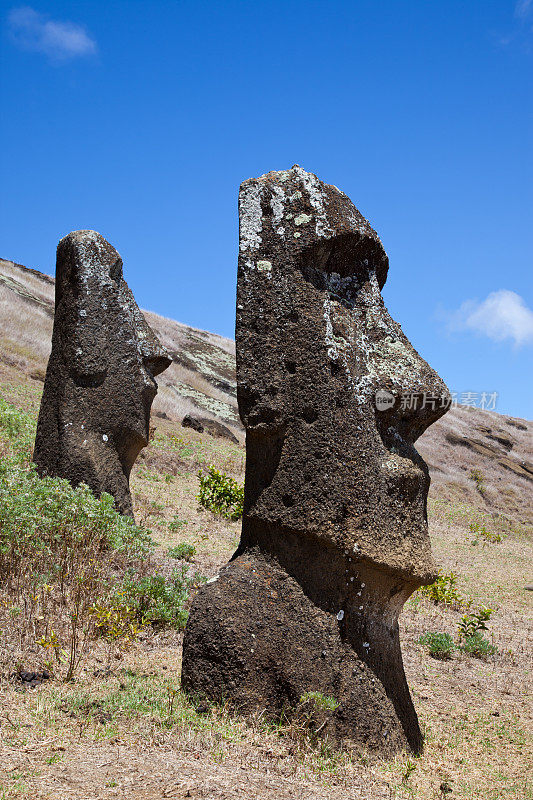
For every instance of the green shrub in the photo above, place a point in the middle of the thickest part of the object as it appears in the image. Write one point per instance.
(54, 527)
(477, 476)
(440, 645)
(60, 548)
(183, 550)
(476, 645)
(480, 530)
(176, 524)
(18, 429)
(220, 493)
(442, 590)
(114, 620)
(474, 622)
(158, 600)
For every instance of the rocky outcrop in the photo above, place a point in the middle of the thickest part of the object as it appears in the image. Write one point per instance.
(100, 381)
(210, 426)
(334, 536)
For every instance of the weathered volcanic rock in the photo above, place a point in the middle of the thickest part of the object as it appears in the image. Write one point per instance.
(212, 426)
(334, 536)
(189, 421)
(99, 386)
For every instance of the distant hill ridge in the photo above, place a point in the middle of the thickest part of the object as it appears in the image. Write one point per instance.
(201, 382)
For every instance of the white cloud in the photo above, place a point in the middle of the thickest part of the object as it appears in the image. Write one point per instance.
(522, 8)
(502, 315)
(58, 40)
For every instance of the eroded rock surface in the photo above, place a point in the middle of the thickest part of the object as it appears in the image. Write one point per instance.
(99, 387)
(334, 536)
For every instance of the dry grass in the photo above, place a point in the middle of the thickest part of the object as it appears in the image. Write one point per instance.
(127, 734)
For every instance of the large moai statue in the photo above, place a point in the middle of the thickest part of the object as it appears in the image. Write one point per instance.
(99, 386)
(334, 534)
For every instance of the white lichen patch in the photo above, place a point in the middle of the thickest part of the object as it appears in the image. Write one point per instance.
(264, 266)
(302, 219)
(250, 216)
(346, 288)
(297, 235)
(317, 198)
(356, 355)
(277, 203)
(216, 407)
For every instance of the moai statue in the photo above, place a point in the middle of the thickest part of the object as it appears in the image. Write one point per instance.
(99, 387)
(334, 534)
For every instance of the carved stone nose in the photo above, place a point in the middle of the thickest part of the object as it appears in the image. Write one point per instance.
(154, 356)
(156, 363)
(414, 410)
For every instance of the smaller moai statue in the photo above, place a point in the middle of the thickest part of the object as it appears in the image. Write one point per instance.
(100, 381)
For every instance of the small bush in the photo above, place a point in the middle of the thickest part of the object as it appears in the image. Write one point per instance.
(221, 494)
(476, 645)
(440, 645)
(115, 620)
(183, 550)
(176, 524)
(442, 590)
(474, 622)
(158, 600)
(477, 476)
(481, 531)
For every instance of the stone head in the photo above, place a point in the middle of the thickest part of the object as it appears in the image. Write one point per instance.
(101, 374)
(329, 379)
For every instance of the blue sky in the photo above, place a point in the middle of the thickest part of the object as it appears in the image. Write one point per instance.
(140, 119)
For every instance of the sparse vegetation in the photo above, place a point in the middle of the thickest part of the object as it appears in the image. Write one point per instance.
(443, 590)
(440, 645)
(477, 645)
(176, 524)
(183, 551)
(220, 493)
(59, 548)
(477, 476)
(323, 702)
(481, 532)
(474, 622)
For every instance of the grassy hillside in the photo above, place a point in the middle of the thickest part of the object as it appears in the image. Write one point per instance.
(122, 728)
(200, 381)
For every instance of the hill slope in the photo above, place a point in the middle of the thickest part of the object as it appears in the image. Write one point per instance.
(201, 381)
(123, 728)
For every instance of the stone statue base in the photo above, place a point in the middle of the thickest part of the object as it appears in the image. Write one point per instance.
(255, 639)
